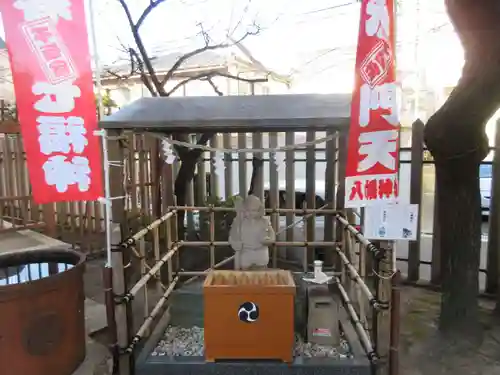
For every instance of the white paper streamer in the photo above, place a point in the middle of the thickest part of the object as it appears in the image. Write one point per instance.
(278, 160)
(218, 163)
(168, 152)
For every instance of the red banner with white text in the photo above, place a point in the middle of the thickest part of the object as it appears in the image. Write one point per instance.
(50, 60)
(373, 148)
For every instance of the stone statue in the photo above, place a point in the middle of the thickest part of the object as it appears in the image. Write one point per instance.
(249, 230)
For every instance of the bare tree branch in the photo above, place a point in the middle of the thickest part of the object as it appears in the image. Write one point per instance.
(214, 86)
(152, 4)
(206, 76)
(144, 77)
(142, 50)
(205, 48)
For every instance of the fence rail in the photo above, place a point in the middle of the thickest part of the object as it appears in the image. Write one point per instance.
(355, 293)
(309, 179)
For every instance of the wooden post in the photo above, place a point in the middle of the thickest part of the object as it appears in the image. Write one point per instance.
(493, 258)
(310, 222)
(395, 324)
(274, 197)
(116, 173)
(340, 198)
(436, 265)
(330, 181)
(50, 220)
(417, 157)
(290, 190)
(383, 320)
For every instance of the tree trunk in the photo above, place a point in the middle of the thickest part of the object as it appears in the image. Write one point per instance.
(456, 137)
(185, 175)
(458, 201)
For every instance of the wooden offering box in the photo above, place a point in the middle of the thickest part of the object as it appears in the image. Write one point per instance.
(249, 315)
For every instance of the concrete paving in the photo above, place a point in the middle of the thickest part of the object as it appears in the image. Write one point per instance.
(97, 361)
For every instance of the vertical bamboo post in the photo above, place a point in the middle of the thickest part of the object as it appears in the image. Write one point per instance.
(175, 237)
(305, 263)
(417, 157)
(157, 254)
(274, 196)
(395, 324)
(340, 197)
(228, 167)
(259, 188)
(330, 183)
(242, 165)
(107, 278)
(123, 321)
(436, 263)
(383, 321)
(142, 253)
(212, 238)
(214, 181)
(311, 193)
(290, 189)
(168, 242)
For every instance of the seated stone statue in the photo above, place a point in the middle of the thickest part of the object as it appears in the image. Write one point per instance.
(249, 230)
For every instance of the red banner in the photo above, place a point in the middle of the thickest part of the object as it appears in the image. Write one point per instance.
(373, 148)
(50, 60)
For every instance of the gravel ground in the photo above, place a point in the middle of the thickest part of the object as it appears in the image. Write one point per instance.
(179, 341)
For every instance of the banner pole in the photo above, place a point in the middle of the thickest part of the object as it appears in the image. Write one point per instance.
(105, 159)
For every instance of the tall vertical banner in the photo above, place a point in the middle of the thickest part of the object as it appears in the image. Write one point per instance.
(53, 82)
(373, 147)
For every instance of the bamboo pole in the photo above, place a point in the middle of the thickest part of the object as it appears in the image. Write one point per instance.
(220, 264)
(141, 233)
(304, 256)
(144, 279)
(150, 318)
(358, 280)
(212, 239)
(395, 324)
(156, 249)
(267, 243)
(142, 253)
(358, 326)
(319, 211)
(377, 253)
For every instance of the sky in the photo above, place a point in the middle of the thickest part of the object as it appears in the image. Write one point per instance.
(314, 40)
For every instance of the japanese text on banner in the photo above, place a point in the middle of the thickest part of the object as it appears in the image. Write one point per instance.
(53, 82)
(373, 146)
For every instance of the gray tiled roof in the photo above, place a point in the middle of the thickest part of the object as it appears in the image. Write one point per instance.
(163, 63)
(235, 113)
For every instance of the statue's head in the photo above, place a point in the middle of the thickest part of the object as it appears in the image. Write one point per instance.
(253, 207)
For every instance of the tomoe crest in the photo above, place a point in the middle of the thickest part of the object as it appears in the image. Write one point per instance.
(248, 312)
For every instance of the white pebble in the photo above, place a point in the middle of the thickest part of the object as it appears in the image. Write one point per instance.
(178, 341)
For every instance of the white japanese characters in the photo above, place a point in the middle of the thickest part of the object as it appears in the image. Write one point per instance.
(61, 127)
(61, 172)
(377, 146)
(59, 98)
(52, 54)
(383, 96)
(61, 135)
(378, 20)
(37, 9)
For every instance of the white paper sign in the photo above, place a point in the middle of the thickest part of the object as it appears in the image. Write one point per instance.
(391, 222)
